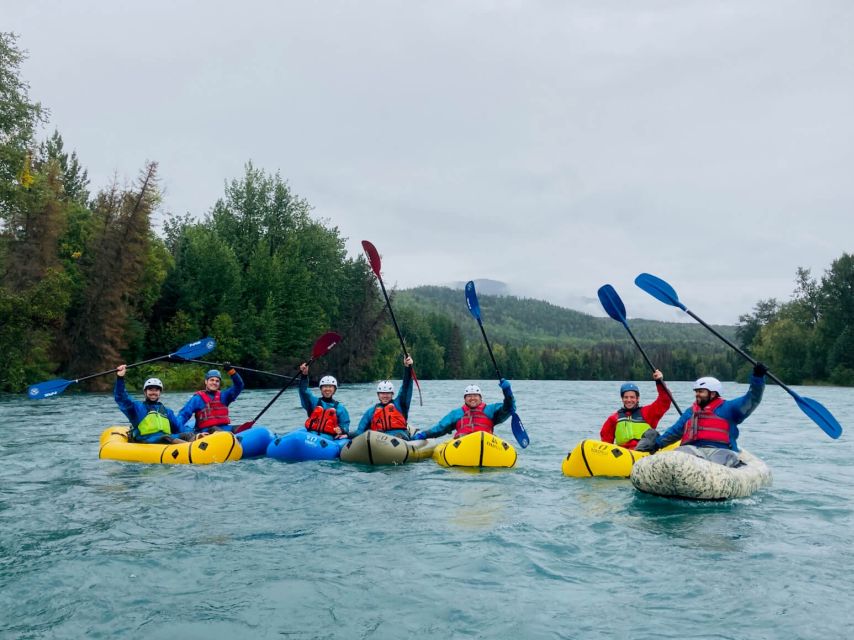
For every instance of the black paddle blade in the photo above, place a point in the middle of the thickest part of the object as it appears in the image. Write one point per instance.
(471, 300)
(373, 257)
(659, 289)
(611, 302)
(324, 344)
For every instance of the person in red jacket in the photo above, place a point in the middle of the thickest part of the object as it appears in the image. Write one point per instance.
(627, 426)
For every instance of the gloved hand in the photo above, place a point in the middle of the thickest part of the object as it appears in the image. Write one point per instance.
(419, 435)
(759, 369)
(647, 441)
(505, 386)
(229, 368)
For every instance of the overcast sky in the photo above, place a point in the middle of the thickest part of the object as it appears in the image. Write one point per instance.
(555, 146)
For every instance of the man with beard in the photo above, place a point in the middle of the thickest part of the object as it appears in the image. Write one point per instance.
(709, 429)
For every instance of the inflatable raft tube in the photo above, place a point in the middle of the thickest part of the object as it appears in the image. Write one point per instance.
(592, 458)
(682, 475)
(302, 445)
(255, 441)
(479, 449)
(221, 446)
(376, 447)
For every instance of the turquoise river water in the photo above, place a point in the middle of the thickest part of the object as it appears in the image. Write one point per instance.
(264, 549)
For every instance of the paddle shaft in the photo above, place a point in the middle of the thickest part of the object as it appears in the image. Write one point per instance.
(652, 366)
(489, 348)
(234, 366)
(742, 353)
(135, 364)
(393, 319)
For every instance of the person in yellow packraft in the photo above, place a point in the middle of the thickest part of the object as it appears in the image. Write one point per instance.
(151, 422)
(474, 415)
(631, 422)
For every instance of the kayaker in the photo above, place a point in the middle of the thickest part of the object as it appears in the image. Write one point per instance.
(709, 429)
(627, 426)
(210, 405)
(326, 415)
(151, 422)
(389, 415)
(474, 415)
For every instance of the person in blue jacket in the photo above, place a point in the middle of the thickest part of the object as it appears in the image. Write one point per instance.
(151, 422)
(709, 429)
(387, 415)
(210, 405)
(474, 415)
(326, 415)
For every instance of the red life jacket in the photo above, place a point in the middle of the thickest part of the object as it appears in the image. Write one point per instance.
(214, 414)
(473, 420)
(387, 418)
(323, 420)
(705, 425)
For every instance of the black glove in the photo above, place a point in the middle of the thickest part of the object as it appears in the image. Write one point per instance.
(759, 369)
(647, 441)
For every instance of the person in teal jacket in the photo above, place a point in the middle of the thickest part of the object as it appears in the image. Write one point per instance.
(709, 429)
(474, 415)
(390, 416)
(326, 415)
(151, 422)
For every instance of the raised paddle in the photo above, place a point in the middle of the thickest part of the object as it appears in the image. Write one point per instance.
(515, 421)
(660, 290)
(54, 387)
(322, 346)
(615, 308)
(376, 267)
(221, 365)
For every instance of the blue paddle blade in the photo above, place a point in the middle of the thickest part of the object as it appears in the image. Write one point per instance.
(611, 302)
(659, 289)
(818, 414)
(519, 430)
(471, 300)
(47, 388)
(195, 349)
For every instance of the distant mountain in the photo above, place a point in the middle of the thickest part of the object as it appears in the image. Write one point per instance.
(524, 321)
(485, 286)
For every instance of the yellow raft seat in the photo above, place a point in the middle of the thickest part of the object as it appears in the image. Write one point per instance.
(220, 446)
(596, 458)
(478, 449)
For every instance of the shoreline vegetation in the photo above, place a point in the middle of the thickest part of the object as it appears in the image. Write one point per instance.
(86, 283)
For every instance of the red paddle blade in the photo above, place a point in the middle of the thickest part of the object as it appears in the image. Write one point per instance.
(244, 427)
(373, 257)
(324, 344)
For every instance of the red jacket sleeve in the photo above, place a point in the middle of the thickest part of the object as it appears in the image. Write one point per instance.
(606, 434)
(652, 413)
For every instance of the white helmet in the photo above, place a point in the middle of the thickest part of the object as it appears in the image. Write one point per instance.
(385, 386)
(472, 388)
(153, 382)
(712, 384)
(325, 380)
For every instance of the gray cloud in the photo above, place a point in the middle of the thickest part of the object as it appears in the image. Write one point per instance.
(554, 146)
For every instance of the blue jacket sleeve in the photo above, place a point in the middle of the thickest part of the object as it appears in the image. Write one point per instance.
(343, 418)
(445, 425)
(127, 406)
(189, 409)
(738, 409)
(177, 427)
(404, 396)
(499, 412)
(365, 422)
(230, 395)
(674, 432)
(306, 397)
